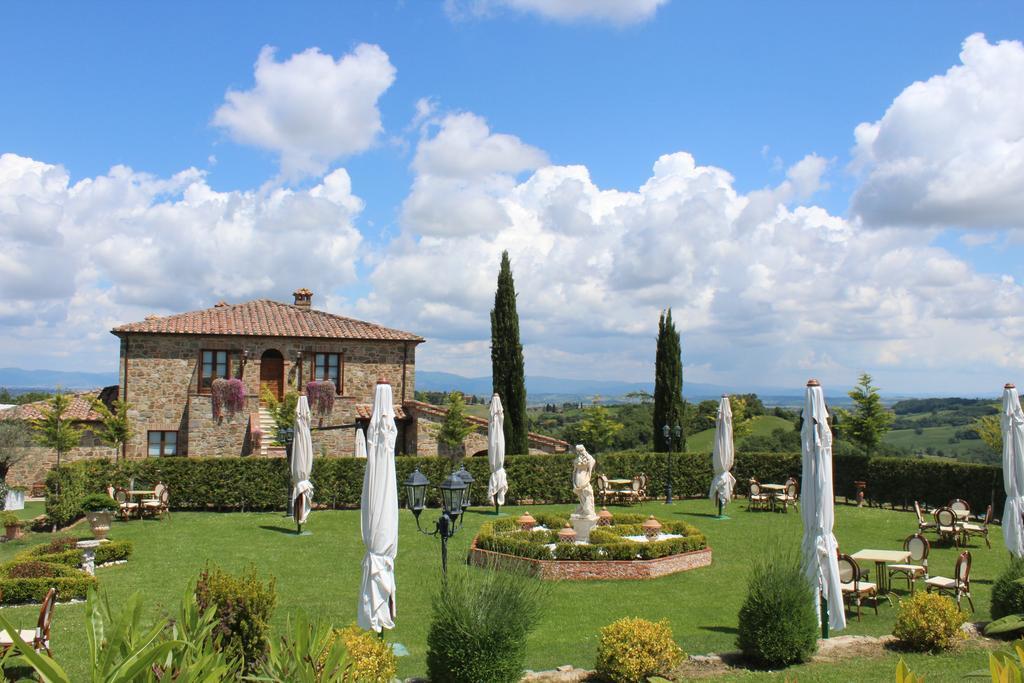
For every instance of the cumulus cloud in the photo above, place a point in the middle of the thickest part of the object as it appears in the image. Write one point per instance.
(950, 150)
(311, 109)
(760, 283)
(80, 257)
(617, 12)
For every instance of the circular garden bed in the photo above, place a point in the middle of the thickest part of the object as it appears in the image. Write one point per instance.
(616, 551)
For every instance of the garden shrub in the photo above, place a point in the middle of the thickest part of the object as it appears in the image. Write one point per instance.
(631, 649)
(1008, 590)
(35, 569)
(479, 626)
(97, 502)
(71, 584)
(243, 608)
(370, 658)
(777, 622)
(56, 551)
(928, 622)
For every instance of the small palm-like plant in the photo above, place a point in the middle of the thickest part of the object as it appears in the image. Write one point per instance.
(310, 653)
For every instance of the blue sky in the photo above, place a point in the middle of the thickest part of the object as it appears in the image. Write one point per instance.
(748, 88)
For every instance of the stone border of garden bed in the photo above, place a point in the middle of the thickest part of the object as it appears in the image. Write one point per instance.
(592, 570)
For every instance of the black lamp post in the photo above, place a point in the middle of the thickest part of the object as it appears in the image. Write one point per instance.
(468, 480)
(668, 433)
(453, 490)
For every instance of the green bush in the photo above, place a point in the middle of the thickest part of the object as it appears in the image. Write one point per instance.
(479, 626)
(230, 483)
(72, 587)
(370, 658)
(10, 519)
(928, 622)
(777, 622)
(631, 649)
(35, 569)
(243, 606)
(1008, 590)
(56, 551)
(98, 502)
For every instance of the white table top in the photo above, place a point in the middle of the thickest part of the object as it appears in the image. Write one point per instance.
(773, 487)
(869, 555)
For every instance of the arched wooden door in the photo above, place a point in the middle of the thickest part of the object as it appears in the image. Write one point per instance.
(272, 373)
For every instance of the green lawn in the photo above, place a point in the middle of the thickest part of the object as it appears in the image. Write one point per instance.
(320, 573)
(937, 439)
(762, 425)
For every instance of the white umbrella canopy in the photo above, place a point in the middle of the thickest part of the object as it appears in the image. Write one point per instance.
(722, 456)
(379, 519)
(498, 484)
(302, 462)
(1011, 419)
(360, 443)
(817, 507)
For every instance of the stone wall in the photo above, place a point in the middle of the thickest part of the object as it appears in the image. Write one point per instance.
(37, 461)
(159, 379)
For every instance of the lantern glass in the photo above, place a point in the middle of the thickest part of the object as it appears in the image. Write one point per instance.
(677, 431)
(665, 431)
(452, 491)
(468, 480)
(416, 490)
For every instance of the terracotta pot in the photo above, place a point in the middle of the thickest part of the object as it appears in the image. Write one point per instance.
(99, 520)
(13, 532)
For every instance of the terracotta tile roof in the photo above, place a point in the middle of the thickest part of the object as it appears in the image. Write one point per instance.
(365, 411)
(80, 409)
(265, 318)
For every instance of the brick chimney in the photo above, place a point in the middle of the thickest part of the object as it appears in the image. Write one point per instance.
(303, 298)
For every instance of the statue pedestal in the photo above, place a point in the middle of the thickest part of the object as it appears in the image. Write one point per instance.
(582, 524)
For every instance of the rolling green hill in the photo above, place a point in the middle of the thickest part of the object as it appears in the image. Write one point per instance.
(763, 425)
(939, 441)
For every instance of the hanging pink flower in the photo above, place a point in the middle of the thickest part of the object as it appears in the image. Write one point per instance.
(321, 397)
(228, 396)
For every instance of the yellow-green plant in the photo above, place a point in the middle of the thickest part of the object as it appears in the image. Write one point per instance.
(905, 675)
(928, 622)
(631, 649)
(370, 659)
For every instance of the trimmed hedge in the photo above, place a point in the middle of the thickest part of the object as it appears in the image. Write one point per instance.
(249, 483)
(113, 551)
(70, 583)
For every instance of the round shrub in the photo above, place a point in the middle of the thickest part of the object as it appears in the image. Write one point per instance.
(59, 545)
(928, 622)
(777, 623)
(631, 649)
(480, 623)
(10, 519)
(97, 502)
(369, 659)
(243, 607)
(33, 569)
(1008, 590)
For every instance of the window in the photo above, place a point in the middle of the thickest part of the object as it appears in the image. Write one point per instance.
(328, 367)
(163, 443)
(213, 365)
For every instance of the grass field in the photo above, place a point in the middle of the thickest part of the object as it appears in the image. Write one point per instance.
(320, 574)
(762, 425)
(937, 439)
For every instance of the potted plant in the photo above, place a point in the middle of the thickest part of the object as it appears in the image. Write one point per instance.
(99, 510)
(12, 525)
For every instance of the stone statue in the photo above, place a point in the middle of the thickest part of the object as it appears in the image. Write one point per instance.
(584, 518)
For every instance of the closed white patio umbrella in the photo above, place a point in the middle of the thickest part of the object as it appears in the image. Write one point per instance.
(821, 565)
(1011, 419)
(379, 517)
(722, 457)
(360, 443)
(302, 464)
(498, 484)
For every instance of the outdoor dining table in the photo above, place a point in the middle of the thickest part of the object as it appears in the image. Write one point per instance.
(880, 558)
(774, 488)
(151, 493)
(962, 514)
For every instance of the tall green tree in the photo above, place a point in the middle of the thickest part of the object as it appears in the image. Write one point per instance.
(508, 374)
(115, 428)
(15, 438)
(990, 431)
(456, 427)
(597, 428)
(668, 384)
(869, 420)
(54, 429)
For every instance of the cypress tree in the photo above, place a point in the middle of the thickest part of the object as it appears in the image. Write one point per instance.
(668, 383)
(507, 369)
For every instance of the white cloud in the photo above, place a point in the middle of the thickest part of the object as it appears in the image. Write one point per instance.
(761, 287)
(617, 12)
(949, 150)
(81, 257)
(311, 108)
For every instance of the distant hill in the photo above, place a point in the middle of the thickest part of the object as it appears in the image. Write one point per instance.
(16, 378)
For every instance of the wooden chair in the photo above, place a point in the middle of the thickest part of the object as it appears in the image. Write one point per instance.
(39, 637)
(157, 505)
(125, 506)
(968, 529)
(854, 588)
(789, 496)
(957, 587)
(946, 525)
(922, 525)
(644, 481)
(918, 547)
(603, 490)
(756, 499)
(961, 506)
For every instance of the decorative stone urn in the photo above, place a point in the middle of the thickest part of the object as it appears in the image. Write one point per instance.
(567, 535)
(526, 521)
(652, 528)
(604, 518)
(100, 520)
